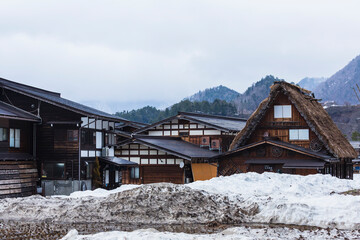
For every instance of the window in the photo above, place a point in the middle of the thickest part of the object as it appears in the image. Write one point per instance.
(53, 170)
(72, 135)
(183, 134)
(99, 140)
(282, 111)
(3, 134)
(116, 176)
(299, 134)
(14, 138)
(89, 170)
(134, 173)
(88, 137)
(110, 139)
(107, 177)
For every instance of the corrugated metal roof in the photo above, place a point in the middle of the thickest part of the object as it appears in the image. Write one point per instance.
(305, 163)
(118, 161)
(287, 145)
(176, 146)
(289, 163)
(9, 111)
(355, 144)
(229, 124)
(224, 123)
(55, 98)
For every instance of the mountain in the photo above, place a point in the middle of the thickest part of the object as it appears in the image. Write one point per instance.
(311, 83)
(339, 87)
(247, 102)
(231, 103)
(346, 118)
(211, 94)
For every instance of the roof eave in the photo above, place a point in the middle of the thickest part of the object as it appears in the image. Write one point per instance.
(90, 115)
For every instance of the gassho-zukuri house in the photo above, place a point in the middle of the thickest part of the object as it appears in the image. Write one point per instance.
(290, 132)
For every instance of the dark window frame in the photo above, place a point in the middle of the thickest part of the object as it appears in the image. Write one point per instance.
(15, 129)
(88, 138)
(135, 173)
(6, 132)
(47, 174)
(72, 135)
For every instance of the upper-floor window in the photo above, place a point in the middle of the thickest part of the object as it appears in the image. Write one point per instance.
(298, 134)
(110, 139)
(282, 111)
(15, 137)
(99, 140)
(88, 137)
(3, 134)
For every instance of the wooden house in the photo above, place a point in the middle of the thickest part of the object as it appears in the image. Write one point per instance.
(67, 138)
(207, 131)
(18, 171)
(290, 132)
(165, 159)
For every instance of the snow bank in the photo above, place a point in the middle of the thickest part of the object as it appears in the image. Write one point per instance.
(99, 192)
(292, 199)
(243, 233)
(161, 203)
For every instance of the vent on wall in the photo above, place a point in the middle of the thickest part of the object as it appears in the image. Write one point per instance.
(205, 142)
(215, 144)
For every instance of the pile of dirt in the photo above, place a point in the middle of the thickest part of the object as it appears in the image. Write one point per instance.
(162, 203)
(354, 192)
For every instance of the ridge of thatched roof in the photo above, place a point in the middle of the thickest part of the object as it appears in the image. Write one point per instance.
(311, 110)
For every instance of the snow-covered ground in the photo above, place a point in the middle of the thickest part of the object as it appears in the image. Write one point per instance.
(243, 233)
(312, 200)
(282, 198)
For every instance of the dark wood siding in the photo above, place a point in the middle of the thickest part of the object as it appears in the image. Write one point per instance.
(154, 174)
(17, 178)
(236, 163)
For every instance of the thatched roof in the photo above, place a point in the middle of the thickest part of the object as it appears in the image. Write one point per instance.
(311, 110)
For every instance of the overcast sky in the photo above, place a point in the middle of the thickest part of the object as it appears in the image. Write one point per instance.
(157, 52)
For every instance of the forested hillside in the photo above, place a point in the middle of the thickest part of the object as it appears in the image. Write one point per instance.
(211, 94)
(151, 114)
(247, 102)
